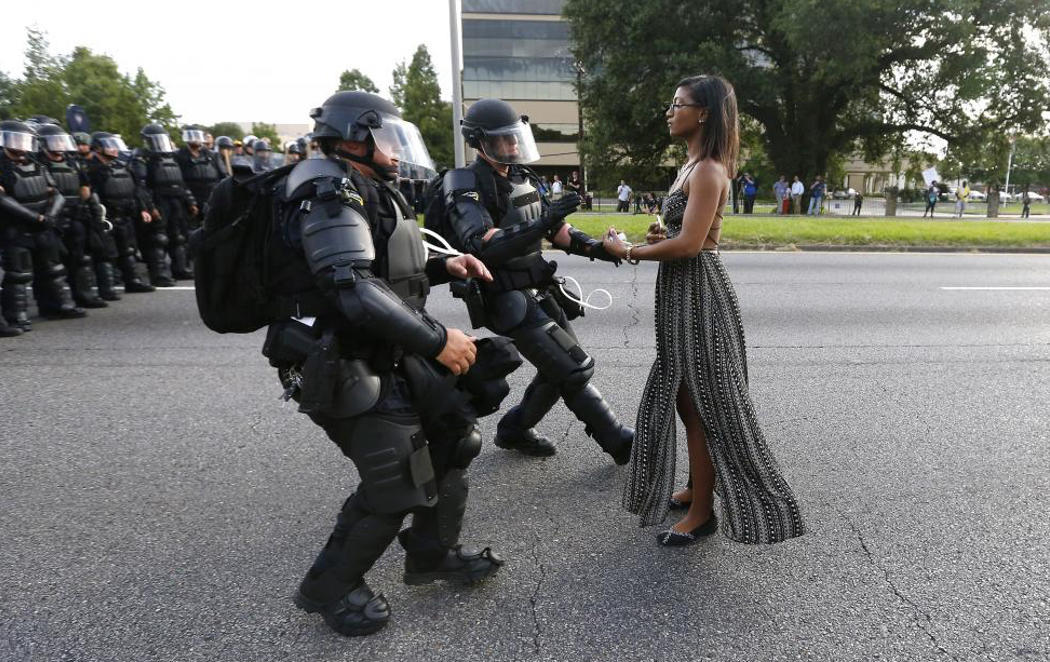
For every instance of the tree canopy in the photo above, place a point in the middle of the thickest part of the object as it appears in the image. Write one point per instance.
(818, 79)
(353, 79)
(417, 93)
(114, 101)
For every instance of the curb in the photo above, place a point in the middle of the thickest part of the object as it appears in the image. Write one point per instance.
(882, 248)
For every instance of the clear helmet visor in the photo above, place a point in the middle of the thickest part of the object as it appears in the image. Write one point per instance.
(402, 140)
(60, 143)
(18, 140)
(193, 136)
(510, 144)
(262, 161)
(113, 145)
(159, 142)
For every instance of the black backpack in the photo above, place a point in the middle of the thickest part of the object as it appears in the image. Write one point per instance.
(231, 254)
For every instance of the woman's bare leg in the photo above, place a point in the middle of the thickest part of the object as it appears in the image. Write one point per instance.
(701, 470)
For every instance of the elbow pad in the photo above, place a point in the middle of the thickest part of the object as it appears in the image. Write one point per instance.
(372, 305)
(468, 217)
(15, 210)
(581, 243)
(335, 238)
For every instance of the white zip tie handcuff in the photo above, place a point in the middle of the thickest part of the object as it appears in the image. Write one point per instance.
(446, 249)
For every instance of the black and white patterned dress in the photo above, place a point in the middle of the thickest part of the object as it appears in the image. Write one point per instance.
(700, 342)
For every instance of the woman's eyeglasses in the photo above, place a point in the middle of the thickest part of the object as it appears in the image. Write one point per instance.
(675, 106)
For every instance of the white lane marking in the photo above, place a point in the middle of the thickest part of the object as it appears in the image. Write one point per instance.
(995, 288)
(182, 288)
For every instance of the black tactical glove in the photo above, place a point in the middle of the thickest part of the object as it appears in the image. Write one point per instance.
(559, 209)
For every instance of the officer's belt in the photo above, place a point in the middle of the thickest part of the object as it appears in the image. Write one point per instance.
(520, 273)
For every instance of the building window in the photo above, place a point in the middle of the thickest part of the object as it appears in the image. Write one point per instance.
(513, 6)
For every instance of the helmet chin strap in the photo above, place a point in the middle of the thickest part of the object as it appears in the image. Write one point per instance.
(388, 173)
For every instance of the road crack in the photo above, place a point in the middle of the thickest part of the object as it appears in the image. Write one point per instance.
(635, 313)
(537, 629)
(923, 619)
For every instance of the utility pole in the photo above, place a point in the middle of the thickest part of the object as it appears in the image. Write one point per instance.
(457, 81)
(579, 129)
(1010, 162)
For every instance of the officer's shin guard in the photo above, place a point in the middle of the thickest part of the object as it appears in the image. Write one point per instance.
(180, 262)
(85, 286)
(14, 291)
(601, 423)
(106, 278)
(157, 263)
(132, 280)
(360, 537)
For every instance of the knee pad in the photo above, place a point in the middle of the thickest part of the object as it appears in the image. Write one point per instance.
(467, 448)
(160, 239)
(394, 463)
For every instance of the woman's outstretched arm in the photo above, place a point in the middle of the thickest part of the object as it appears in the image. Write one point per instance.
(705, 185)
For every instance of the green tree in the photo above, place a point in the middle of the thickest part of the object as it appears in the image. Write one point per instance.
(352, 79)
(113, 101)
(417, 93)
(269, 132)
(231, 129)
(819, 79)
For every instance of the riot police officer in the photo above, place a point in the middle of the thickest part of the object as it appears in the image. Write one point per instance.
(225, 149)
(81, 218)
(200, 166)
(171, 205)
(494, 211)
(126, 204)
(262, 156)
(293, 152)
(29, 212)
(389, 397)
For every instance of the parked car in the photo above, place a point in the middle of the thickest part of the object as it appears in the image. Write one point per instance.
(978, 196)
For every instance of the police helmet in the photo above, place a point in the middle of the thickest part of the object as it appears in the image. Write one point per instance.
(358, 116)
(17, 136)
(53, 139)
(155, 138)
(495, 129)
(193, 135)
(224, 142)
(108, 144)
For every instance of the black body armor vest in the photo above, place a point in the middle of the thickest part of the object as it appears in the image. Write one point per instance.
(28, 183)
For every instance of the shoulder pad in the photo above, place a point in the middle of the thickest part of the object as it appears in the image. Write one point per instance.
(309, 170)
(460, 179)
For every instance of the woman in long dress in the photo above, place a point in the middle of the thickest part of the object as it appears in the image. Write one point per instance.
(701, 363)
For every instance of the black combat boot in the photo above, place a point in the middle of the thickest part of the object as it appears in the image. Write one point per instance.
(132, 282)
(426, 561)
(515, 430)
(85, 287)
(335, 586)
(106, 278)
(8, 331)
(360, 612)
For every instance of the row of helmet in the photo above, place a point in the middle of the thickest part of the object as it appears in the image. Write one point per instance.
(41, 133)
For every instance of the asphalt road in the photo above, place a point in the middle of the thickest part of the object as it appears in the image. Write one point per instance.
(158, 502)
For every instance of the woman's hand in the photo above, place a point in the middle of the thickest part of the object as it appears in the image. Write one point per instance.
(613, 245)
(656, 233)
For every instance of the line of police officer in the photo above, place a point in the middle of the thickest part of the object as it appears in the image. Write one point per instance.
(77, 213)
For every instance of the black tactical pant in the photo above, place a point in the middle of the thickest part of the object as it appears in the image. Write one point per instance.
(32, 257)
(365, 526)
(153, 244)
(563, 370)
(175, 220)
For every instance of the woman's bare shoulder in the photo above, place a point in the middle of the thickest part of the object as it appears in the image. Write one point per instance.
(707, 175)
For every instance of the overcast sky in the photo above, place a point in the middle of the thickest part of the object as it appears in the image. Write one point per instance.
(243, 62)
